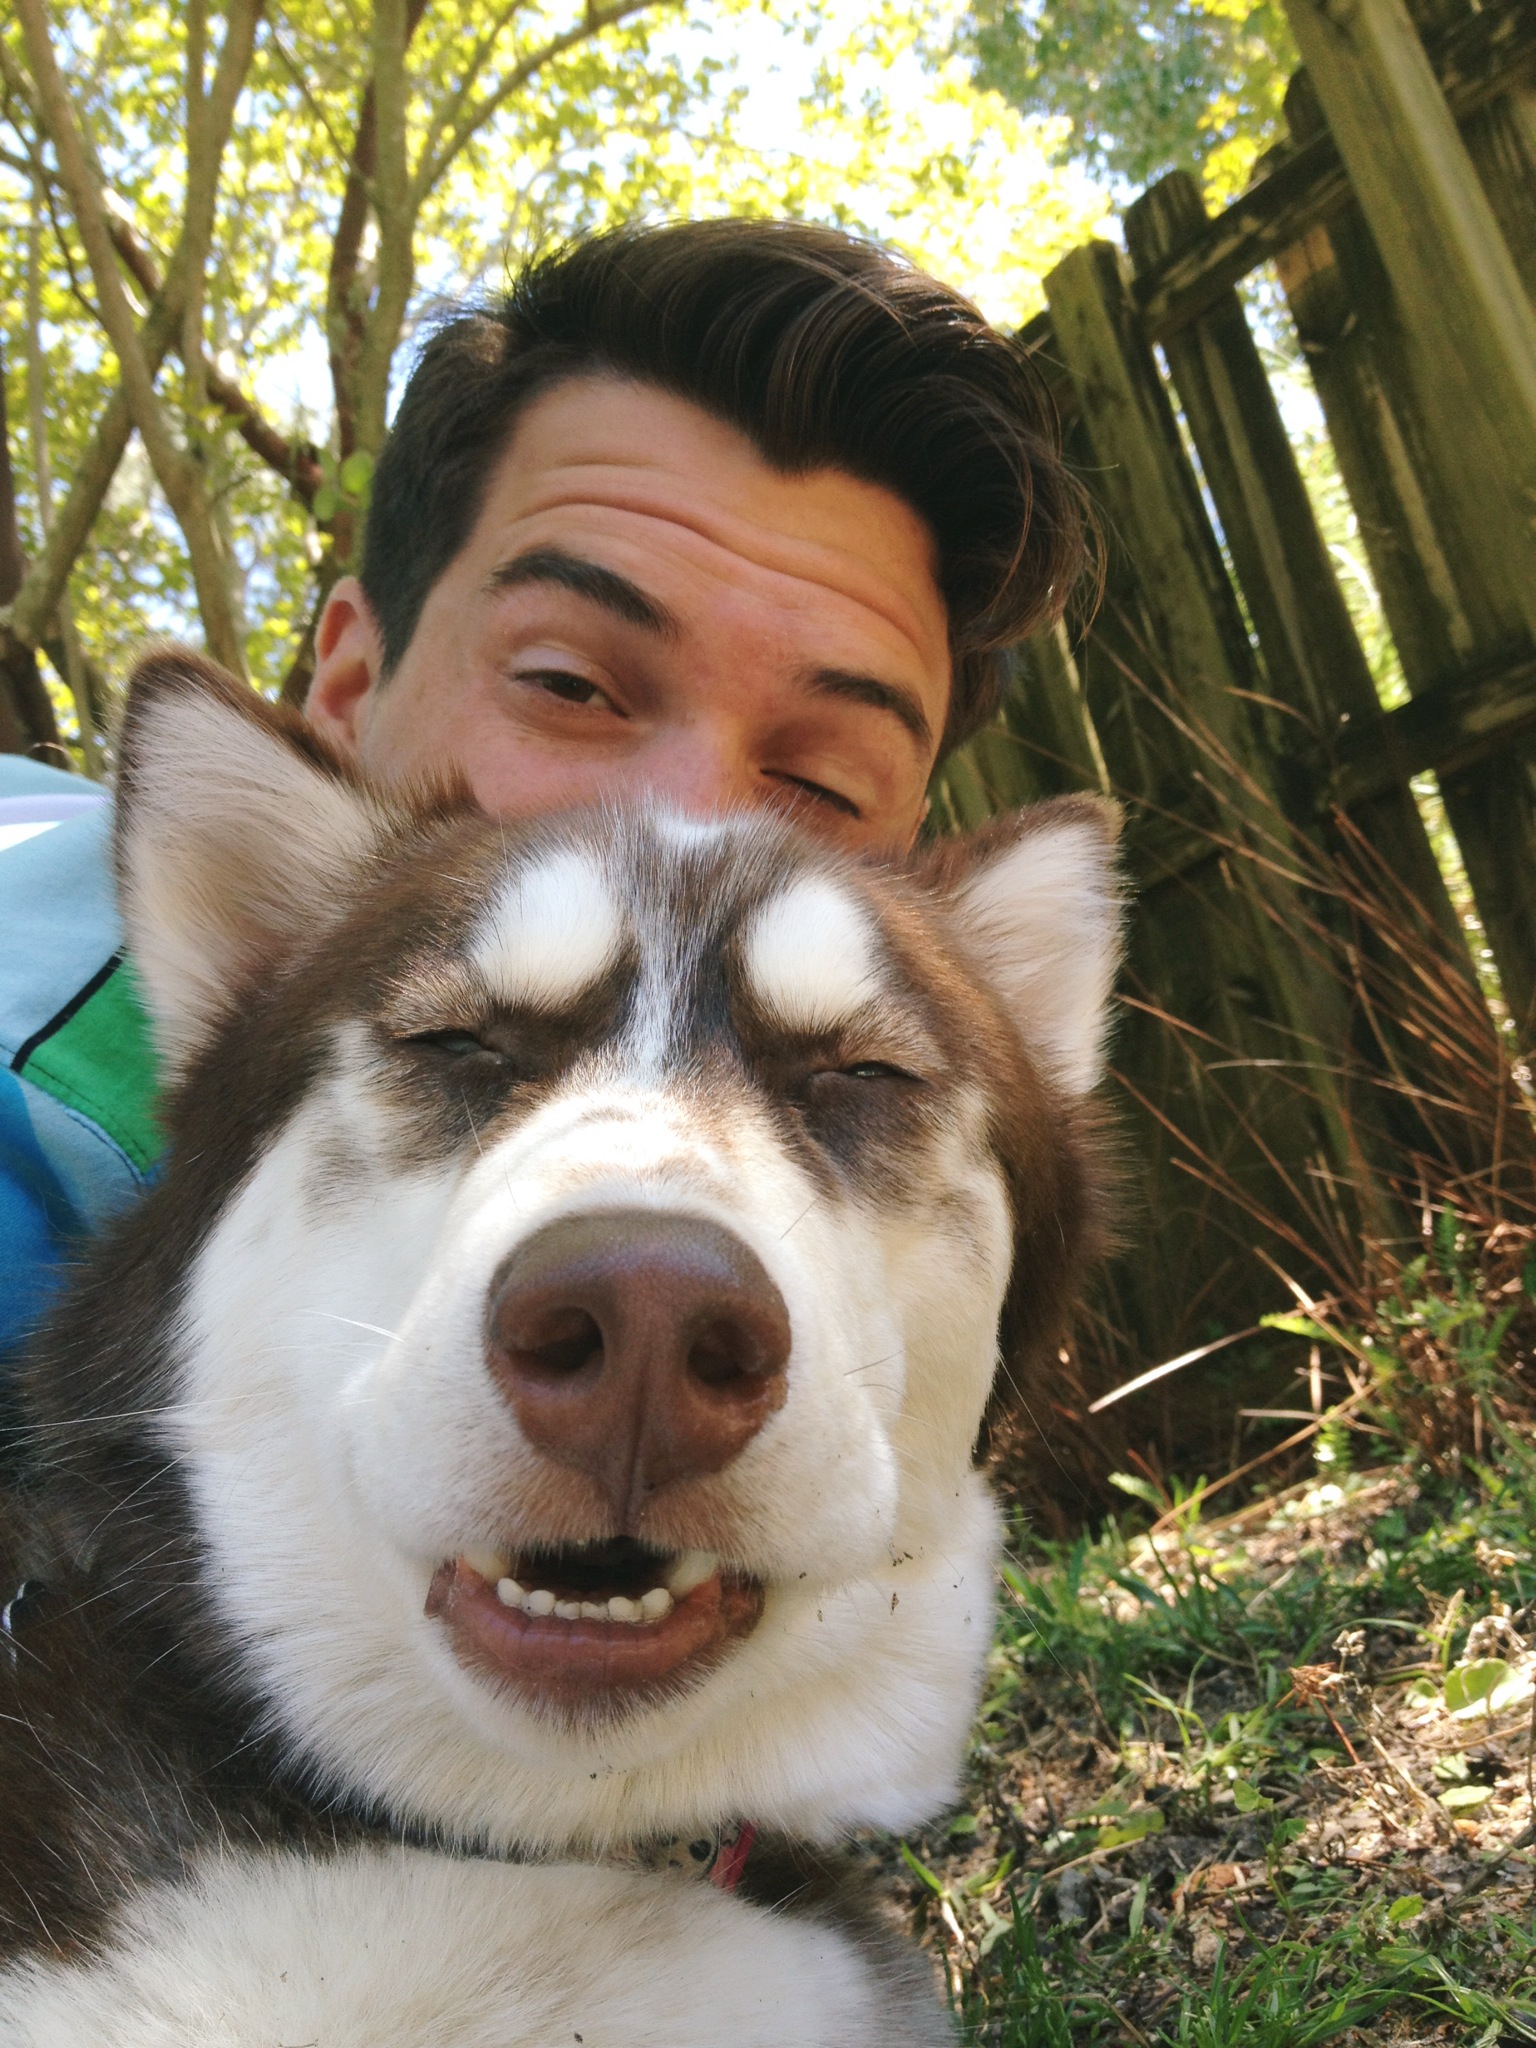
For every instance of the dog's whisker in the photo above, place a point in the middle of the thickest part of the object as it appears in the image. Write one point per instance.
(373, 1329)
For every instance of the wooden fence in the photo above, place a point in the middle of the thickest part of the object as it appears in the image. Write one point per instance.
(1222, 690)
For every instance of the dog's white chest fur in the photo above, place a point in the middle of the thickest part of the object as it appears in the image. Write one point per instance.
(397, 1948)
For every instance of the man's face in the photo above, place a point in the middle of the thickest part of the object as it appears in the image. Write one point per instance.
(645, 606)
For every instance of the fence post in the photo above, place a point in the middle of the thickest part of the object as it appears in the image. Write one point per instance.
(1313, 660)
(1469, 323)
(1216, 943)
(1441, 590)
(1500, 138)
(1041, 743)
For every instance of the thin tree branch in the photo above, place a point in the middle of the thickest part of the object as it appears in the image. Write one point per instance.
(594, 21)
(345, 316)
(466, 70)
(26, 713)
(176, 472)
(200, 177)
(69, 663)
(395, 211)
(300, 78)
(398, 196)
(39, 595)
(17, 82)
(346, 302)
(297, 462)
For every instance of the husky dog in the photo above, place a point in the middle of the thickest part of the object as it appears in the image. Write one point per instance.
(526, 1439)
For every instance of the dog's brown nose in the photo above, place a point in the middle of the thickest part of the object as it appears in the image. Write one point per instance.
(638, 1347)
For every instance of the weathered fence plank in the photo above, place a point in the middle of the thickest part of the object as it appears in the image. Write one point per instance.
(1247, 1111)
(1316, 671)
(1468, 321)
(1474, 61)
(1450, 610)
(1455, 725)
(1146, 484)
(1166, 670)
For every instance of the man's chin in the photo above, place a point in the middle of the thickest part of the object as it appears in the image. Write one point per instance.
(598, 1653)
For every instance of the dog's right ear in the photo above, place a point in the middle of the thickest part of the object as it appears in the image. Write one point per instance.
(238, 832)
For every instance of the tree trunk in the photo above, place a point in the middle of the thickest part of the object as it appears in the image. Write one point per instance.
(26, 715)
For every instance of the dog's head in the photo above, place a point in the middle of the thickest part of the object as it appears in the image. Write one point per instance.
(594, 1235)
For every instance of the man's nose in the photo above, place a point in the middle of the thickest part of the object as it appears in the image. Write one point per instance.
(638, 1348)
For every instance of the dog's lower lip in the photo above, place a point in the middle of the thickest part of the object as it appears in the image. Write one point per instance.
(567, 1661)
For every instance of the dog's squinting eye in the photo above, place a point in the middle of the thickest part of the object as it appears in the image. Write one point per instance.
(876, 1070)
(457, 1044)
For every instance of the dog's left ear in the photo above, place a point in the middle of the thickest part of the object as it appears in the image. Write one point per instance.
(1038, 903)
(238, 835)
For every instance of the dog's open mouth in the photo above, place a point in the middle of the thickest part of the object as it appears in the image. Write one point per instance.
(592, 1621)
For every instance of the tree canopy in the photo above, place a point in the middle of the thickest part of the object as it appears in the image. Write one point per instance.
(1148, 86)
(224, 226)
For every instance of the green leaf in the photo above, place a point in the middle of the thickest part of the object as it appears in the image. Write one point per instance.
(1138, 1912)
(1139, 1489)
(1114, 1806)
(1247, 1798)
(1134, 1828)
(1299, 1326)
(1465, 1798)
(920, 1869)
(357, 473)
(327, 504)
(1486, 1686)
(1408, 1907)
(986, 1881)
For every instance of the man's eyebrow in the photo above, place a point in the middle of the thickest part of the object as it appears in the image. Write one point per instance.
(600, 586)
(860, 689)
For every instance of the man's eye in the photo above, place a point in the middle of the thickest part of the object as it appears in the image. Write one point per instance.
(457, 1045)
(565, 684)
(817, 792)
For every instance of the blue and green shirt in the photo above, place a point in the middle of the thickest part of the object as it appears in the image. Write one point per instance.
(77, 1069)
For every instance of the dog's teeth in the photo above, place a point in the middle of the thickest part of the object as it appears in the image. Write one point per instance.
(540, 1603)
(568, 1610)
(656, 1604)
(594, 1610)
(510, 1593)
(690, 1570)
(490, 1564)
(620, 1609)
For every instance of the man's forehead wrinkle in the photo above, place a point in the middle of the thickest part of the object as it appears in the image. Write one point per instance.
(587, 579)
(768, 549)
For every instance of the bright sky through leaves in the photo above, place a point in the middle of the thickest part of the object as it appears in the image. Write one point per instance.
(836, 111)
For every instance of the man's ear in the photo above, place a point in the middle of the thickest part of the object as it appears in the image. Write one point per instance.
(1038, 902)
(238, 832)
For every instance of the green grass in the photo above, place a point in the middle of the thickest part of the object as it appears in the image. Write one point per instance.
(1267, 1777)
(1258, 1858)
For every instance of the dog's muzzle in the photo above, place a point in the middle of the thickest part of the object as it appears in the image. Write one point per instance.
(638, 1348)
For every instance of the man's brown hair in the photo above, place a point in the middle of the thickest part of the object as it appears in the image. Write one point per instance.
(826, 351)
